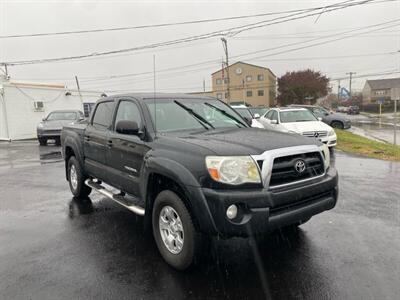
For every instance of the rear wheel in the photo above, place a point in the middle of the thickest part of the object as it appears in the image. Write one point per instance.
(337, 124)
(175, 235)
(76, 179)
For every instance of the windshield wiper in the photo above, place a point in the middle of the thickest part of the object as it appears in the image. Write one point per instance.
(225, 113)
(199, 118)
(303, 120)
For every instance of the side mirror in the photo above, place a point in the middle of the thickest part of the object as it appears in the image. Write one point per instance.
(319, 119)
(327, 114)
(273, 121)
(127, 127)
(44, 119)
(256, 116)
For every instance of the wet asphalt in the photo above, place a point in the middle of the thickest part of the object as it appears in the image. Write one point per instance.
(53, 248)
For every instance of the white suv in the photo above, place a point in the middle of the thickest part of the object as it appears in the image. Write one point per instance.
(301, 121)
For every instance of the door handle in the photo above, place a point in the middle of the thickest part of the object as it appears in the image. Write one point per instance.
(87, 138)
(109, 143)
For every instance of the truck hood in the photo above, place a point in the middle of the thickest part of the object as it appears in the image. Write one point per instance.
(301, 127)
(244, 141)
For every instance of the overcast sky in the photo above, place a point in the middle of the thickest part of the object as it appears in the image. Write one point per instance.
(25, 17)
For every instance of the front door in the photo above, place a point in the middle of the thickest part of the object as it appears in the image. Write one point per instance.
(126, 152)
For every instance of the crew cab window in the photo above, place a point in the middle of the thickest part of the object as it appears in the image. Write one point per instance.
(103, 115)
(128, 110)
(319, 112)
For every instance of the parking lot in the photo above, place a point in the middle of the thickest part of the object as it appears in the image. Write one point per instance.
(53, 248)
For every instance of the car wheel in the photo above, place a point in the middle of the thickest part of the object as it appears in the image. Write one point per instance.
(42, 141)
(337, 124)
(174, 232)
(76, 179)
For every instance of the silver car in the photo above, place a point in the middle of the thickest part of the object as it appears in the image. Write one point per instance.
(50, 127)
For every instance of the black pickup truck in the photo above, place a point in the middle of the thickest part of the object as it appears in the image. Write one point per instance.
(194, 168)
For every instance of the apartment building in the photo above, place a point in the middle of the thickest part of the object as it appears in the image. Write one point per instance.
(251, 84)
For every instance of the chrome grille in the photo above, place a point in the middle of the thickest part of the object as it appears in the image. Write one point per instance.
(284, 170)
(315, 134)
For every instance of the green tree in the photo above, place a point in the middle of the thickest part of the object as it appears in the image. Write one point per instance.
(302, 87)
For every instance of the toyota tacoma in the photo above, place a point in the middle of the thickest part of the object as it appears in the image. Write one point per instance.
(193, 168)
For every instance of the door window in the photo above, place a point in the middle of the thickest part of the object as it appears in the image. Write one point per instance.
(274, 116)
(128, 111)
(103, 115)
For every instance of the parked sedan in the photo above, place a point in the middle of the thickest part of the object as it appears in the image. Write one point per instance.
(301, 121)
(248, 116)
(353, 110)
(50, 127)
(332, 119)
(258, 111)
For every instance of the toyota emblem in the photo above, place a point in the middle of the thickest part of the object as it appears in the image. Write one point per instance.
(300, 166)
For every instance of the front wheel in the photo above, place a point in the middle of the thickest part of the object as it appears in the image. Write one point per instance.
(336, 124)
(76, 179)
(173, 230)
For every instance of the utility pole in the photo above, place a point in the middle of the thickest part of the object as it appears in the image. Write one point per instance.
(338, 92)
(204, 86)
(5, 68)
(225, 45)
(79, 91)
(351, 77)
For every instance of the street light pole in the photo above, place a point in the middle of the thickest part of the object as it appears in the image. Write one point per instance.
(351, 77)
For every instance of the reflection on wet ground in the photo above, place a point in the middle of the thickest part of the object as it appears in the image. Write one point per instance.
(21, 154)
(53, 246)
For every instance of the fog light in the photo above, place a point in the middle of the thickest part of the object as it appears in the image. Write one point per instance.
(231, 212)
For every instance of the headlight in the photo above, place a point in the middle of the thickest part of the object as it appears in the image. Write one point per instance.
(233, 169)
(331, 132)
(327, 157)
(40, 125)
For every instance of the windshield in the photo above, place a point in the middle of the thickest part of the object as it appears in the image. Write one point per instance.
(297, 116)
(244, 112)
(192, 114)
(62, 116)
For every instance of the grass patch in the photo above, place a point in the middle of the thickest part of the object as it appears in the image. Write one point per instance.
(354, 143)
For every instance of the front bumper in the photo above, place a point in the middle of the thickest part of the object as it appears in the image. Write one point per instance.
(48, 133)
(330, 141)
(262, 210)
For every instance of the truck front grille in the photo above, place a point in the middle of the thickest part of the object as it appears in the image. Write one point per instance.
(297, 167)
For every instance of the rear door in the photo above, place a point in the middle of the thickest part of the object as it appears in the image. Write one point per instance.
(125, 153)
(96, 139)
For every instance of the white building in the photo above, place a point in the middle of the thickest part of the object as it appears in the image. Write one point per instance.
(24, 105)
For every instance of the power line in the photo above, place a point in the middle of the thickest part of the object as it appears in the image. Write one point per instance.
(168, 24)
(230, 31)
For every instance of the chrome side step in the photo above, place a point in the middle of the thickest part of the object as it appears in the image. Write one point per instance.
(117, 198)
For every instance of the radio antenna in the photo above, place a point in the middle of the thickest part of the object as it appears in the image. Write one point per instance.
(154, 95)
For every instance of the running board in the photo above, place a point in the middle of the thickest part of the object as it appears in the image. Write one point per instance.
(115, 197)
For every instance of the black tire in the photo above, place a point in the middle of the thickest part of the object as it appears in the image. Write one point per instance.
(337, 124)
(191, 238)
(79, 188)
(42, 141)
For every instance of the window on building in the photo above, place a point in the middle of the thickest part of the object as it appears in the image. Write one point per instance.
(218, 81)
(260, 77)
(226, 95)
(249, 78)
(87, 108)
(103, 115)
(219, 96)
(260, 92)
(380, 92)
(249, 94)
(226, 80)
